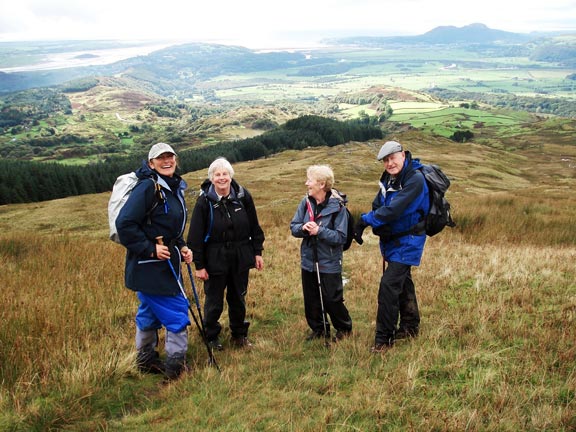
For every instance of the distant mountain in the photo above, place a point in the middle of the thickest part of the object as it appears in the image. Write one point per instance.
(470, 34)
(473, 33)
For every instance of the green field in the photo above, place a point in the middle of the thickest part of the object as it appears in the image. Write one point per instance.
(413, 68)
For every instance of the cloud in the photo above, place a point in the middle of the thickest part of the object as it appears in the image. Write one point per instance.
(262, 21)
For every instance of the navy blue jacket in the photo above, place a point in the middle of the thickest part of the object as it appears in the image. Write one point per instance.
(138, 231)
(398, 206)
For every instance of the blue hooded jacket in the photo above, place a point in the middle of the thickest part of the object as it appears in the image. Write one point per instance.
(138, 231)
(398, 206)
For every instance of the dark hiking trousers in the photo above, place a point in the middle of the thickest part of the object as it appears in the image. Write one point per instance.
(396, 296)
(333, 297)
(236, 286)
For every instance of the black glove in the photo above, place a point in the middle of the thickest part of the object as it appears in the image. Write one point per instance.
(358, 230)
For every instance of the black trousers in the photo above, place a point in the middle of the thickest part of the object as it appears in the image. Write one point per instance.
(235, 285)
(333, 298)
(396, 300)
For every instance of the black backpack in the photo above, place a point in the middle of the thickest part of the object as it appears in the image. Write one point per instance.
(439, 215)
(350, 233)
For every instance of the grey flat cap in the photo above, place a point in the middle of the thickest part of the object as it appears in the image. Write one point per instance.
(388, 148)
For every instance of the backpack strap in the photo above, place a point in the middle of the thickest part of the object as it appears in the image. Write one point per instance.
(240, 196)
(160, 197)
(207, 236)
(418, 229)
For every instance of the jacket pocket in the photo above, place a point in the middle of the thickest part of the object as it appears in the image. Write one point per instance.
(246, 257)
(216, 261)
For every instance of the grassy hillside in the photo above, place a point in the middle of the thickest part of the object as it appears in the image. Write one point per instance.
(497, 297)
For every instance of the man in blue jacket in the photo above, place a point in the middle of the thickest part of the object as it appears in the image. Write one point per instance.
(396, 217)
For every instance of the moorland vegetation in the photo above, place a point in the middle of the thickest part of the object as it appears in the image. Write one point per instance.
(497, 293)
(497, 296)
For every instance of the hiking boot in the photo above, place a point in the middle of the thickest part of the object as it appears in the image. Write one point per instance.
(215, 345)
(174, 367)
(315, 335)
(149, 362)
(380, 348)
(241, 342)
(406, 333)
(342, 334)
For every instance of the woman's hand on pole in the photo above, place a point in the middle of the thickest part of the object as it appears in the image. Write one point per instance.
(186, 254)
(162, 252)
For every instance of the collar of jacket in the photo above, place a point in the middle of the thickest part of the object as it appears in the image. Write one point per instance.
(331, 204)
(208, 189)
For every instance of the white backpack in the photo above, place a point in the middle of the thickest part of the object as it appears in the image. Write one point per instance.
(120, 193)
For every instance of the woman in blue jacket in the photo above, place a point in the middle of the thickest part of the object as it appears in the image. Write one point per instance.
(150, 226)
(397, 214)
(322, 223)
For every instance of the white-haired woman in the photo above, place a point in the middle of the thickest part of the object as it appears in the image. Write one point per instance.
(322, 223)
(227, 241)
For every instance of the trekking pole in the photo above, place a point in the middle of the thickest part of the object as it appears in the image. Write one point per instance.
(202, 329)
(211, 358)
(317, 265)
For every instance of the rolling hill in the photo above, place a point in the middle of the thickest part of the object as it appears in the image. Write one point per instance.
(496, 349)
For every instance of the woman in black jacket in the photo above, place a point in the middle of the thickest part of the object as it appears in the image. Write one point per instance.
(154, 209)
(227, 241)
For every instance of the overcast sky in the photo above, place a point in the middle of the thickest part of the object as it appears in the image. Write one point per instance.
(265, 23)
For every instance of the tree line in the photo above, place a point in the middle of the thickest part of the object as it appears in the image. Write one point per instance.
(26, 181)
(538, 104)
(25, 107)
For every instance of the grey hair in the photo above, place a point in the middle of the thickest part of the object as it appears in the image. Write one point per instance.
(220, 164)
(322, 173)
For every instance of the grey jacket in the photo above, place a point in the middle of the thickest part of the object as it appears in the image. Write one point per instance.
(333, 221)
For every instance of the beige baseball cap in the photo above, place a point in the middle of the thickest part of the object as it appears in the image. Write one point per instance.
(158, 149)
